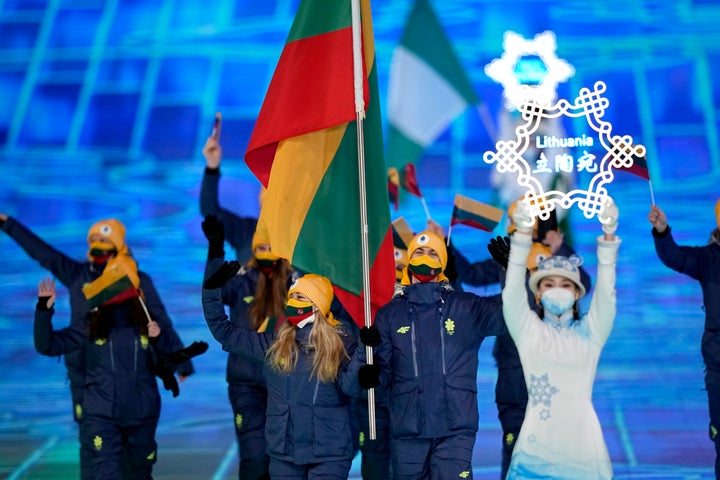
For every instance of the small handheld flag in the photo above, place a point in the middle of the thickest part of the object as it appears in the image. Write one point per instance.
(475, 214)
(217, 125)
(394, 186)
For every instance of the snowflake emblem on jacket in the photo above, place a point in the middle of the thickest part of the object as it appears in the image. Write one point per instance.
(540, 391)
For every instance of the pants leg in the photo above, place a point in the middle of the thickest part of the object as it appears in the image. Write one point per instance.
(410, 458)
(451, 457)
(282, 470)
(104, 438)
(249, 408)
(140, 450)
(375, 462)
(712, 384)
(334, 470)
(511, 400)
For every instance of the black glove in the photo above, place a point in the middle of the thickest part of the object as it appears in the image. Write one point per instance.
(42, 304)
(221, 276)
(369, 376)
(170, 383)
(370, 337)
(545, 226)
(499, 248)
(184, 354)
(215, 233)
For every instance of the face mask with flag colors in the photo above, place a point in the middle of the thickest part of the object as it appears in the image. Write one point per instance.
(424, 268)
(266, 261)
(297, 311)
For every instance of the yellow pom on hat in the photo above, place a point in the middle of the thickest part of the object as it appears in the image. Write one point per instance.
(320, 292)
(111, 230)
(717, 213)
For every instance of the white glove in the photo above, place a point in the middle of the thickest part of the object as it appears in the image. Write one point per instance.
(521, 217)
(609, 217)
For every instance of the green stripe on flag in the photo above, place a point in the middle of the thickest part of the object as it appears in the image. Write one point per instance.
(330, 238)
(425, 37)
(315, 18)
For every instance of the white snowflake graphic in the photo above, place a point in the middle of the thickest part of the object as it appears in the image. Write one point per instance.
(553, 71)
(619, 152)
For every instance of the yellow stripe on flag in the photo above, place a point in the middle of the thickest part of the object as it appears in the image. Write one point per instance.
(298, 169)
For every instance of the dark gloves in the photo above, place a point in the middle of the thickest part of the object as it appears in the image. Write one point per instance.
(170, 383)
(182, 355)
(42, 304)
(499, 248)
(369, 376)
(221, 276)
(545, 226)
(370, 337)
(215, 233)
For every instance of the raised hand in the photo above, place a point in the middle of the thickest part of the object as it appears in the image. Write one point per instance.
(46, 292)
(212, 152)
(499, 248)
(609, 217)
(657, 219)
(221, 276)
(215, 233)
(522, 218)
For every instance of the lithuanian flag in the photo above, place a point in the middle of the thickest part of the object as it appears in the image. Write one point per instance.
(304, 149)
(475, 214)
(118, 282)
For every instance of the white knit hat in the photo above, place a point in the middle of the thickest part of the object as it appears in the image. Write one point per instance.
(568, 267)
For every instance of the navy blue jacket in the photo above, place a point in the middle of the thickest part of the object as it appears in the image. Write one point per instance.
(703, 265)
(73, 274)
(238, 230)
(428, 356)
(308, 421)
(238, 294)
(119, 371)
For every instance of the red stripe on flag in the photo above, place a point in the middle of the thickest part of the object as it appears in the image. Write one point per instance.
(382, 281)
(311, 89)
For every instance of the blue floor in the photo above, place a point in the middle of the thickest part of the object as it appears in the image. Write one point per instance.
(105, 105)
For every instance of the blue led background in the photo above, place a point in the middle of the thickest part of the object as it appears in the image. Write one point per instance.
(105, 106)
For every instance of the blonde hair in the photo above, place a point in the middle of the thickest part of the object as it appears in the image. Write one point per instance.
(324, 344)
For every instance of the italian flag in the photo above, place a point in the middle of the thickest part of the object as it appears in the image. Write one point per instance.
(427, 88)
(304, 149)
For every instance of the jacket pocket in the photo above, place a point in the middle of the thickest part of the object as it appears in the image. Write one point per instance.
(276, 425)
(331, 428)
(404, 405)
(461, 402)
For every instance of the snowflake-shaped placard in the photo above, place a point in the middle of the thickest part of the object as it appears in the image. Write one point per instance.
(618, 152)
(540, 82)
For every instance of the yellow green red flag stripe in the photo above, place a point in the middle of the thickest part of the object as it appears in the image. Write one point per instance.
(475, 214)
(304, 150)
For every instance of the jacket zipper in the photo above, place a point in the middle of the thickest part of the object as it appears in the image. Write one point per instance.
(414, 347)
(112, 355)
(442, 334)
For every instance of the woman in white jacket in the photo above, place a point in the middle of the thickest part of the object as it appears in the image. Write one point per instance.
(561, 437)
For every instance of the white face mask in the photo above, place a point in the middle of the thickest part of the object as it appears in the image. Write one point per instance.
(557, 300)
